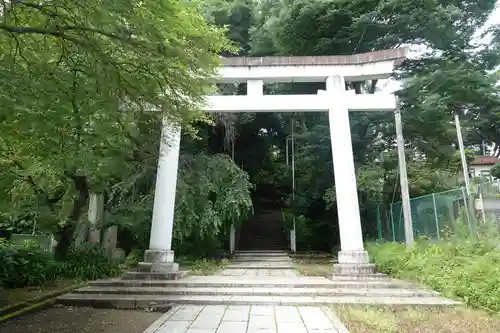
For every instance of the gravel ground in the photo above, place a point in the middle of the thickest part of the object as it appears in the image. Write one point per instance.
(80, 320)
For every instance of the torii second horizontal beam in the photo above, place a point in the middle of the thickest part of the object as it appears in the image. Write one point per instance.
(299, 103)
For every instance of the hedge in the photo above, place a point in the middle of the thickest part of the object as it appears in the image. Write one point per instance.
(468, 271)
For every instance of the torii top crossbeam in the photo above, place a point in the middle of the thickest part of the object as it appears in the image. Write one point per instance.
(257, 71)
(357, 67)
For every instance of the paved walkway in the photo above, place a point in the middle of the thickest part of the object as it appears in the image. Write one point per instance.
(250, 318)
(247, 319)
(259, 292)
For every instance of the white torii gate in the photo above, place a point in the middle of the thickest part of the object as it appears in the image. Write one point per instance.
(335, 71)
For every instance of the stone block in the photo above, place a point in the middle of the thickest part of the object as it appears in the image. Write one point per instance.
(118, 254)
(148, 276)
(259, 330)
(214, 310)
(207, 321)
(159, 256)
(353, 257)
(174, 327)
(232, 327)
(353, 269)
(235, 315)
(201, 330)
(188, 314)
(261, 322)
(292, 327)
(158, 267)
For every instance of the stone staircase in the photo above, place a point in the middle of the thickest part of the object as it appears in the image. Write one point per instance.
(254, 278)
(263, 231)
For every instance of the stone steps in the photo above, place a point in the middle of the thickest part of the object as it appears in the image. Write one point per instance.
(259, 259)
(154, 276)
(359, 277)
(152, 290)
(227, 291)
(260, 251)
(257, 283)
(260, 254)
(257, 266)
(148, 301)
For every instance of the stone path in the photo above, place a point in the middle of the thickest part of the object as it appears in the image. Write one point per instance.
(251, 264)
(247, 319)
(259, 292)
(253, 278)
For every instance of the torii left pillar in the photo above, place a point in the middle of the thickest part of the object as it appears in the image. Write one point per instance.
(159, 258)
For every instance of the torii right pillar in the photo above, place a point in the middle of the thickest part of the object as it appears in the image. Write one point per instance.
(352, 259)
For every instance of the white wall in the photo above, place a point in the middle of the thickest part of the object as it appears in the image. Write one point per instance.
(478, 170)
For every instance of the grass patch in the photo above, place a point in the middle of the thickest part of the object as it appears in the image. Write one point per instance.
(313, 265)
(202, 267)
(385, 319)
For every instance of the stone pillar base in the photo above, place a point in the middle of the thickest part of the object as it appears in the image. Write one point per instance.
(352, 263)
(353, 257)
(159, 264)
(353, 269)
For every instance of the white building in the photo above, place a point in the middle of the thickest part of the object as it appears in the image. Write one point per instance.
(482, 165)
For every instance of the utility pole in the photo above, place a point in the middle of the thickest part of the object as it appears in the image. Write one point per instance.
(465, 169)
(469, 204)
(405, 193)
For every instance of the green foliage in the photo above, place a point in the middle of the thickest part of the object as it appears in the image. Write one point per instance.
(237, 16)
(88, 262)
(212, 194)
(495, 171)
(203, 267)
(469, 271)
(78, 66)
(25, 266)
(30, 266)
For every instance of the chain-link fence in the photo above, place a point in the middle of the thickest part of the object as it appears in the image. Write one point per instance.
(433, 216)
(487, 202)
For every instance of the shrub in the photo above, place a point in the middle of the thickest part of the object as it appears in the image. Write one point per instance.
(469, 271)
(29, 265)
(88, 262)
(25, 266)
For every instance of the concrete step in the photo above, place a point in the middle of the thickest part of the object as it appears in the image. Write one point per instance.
(260, 259)
(148, 301)
(154, 276)
(257, 266)
(261, 251)
(261, 254)
(242, 283)
(360, 277)
(313, 292)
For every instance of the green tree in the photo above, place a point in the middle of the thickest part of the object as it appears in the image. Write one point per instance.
(75, 80)
(444, 80)
(495, 171)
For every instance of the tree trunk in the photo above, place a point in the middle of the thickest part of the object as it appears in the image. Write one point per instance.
(65, 239)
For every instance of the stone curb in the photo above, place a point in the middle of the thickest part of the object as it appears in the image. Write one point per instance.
(36, 303)
(152, 301)
(335, 320)
(155, 326)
